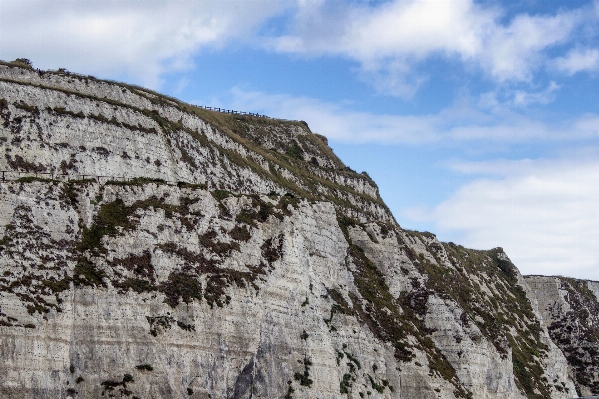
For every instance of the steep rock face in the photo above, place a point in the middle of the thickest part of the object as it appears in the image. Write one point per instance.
(570, 310)
(171, 251)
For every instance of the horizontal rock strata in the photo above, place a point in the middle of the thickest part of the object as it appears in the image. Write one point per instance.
(153, 249)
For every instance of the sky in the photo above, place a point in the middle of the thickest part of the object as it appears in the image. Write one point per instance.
(479, 120)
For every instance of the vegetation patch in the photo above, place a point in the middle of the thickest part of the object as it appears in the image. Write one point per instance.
(219, 248)
(57, 286)
(182, 184)
(272, 249)
(19, 163)
(181, 286)
(106, 221)
(240, 233)
(136, 181)
(185, 326)
(346, 384)
(140, 265)
(379, 310)
(115, 217)
(87, 273)
(259, 212)
(380, 388)
(110, 385)
(31, 179)
(159, 324)
(483, 309)
(220, 195)
(576, 333)
(304, 377)
(217, 278)
(295, 151)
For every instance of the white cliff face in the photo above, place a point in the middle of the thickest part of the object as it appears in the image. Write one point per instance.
(231, 337)
(295, 282)
(570, 312)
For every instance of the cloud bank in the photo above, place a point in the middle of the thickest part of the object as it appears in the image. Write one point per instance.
(389, 40)
(142, 40)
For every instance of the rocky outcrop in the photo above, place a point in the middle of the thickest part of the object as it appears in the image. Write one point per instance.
(171, 251)
(570, 310)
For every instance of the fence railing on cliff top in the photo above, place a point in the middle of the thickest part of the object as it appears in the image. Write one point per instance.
(232, 112)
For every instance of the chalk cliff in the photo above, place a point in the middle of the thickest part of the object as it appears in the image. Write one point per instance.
(570, 310)
(154, 249)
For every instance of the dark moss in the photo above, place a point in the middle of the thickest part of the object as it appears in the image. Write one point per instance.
(185, 326)
(159, 324)
(380, 388)
(136, 181)
(295, 151)
(208, 240)
(272, 249)
(217, 278)
(290, 391)
(139, 264)
(19, 163)
(304, 377)
(240, 233)
(135, 284)
(182, 184)
(57, 286)
(31, 179)
(345, 384)
(87, 273)
(181, 286)
(220, 194)
(112, 215)
(116, 214)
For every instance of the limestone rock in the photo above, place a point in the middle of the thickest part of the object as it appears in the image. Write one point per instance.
(153, 249)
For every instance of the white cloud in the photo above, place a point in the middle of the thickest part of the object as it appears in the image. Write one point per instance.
(143, 40)
(523, 98)
(459, 123)
(139, 39)
(514, 51)
(578, 60)
(335, 122)
(393, 28)
(389, 40)
(544, 214)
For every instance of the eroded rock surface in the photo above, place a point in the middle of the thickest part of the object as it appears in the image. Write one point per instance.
(171, 251)
(570, 310)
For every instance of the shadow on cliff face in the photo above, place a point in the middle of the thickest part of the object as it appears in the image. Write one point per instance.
(249, 382)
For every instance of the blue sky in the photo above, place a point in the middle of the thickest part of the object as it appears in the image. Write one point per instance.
(479, 120)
